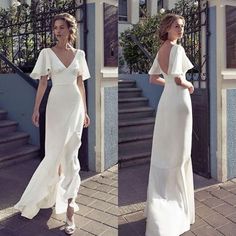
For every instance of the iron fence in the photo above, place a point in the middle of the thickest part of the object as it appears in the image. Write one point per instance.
(25, 30)
(195, 40)
(196, 25)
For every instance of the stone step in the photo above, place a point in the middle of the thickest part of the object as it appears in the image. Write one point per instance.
(126, 135)
(126, 83)
(7, 126)
(17, 155)
(135, 112)
(131, 151)
(3, 114)
(136, 125)
(129, 92)
(133, 137)
(136, 122)
(142, 159)
(13, 140)
(132, 102)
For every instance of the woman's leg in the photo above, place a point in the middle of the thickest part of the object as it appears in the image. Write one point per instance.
(70, 210)
(70, 225)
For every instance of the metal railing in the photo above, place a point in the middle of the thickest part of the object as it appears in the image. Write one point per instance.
(25, 30)
(23, 75)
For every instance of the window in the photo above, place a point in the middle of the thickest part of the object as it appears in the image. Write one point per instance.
(122, 10)
(160, 4)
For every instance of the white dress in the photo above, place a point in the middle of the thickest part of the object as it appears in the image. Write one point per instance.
(170, 196)
(64, 125)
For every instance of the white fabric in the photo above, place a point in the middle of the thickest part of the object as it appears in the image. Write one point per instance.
(179, 65)
(170, 197)
(64, 125)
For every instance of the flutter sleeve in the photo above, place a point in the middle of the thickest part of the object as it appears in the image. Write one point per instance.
(155, 69)
(83, 69)
(180, 64)
(42, 66)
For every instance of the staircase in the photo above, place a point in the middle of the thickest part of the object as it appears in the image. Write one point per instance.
(136, 124)
(14, 146)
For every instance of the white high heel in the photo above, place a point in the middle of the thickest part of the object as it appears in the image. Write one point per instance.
(70, 225)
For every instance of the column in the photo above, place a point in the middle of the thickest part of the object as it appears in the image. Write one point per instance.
(152, 7)
(133, 11)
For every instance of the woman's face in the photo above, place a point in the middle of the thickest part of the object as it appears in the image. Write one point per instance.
(176, 30)
(61, 30)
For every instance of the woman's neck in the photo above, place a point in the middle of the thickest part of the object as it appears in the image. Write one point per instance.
(172, 41)
(63, 45)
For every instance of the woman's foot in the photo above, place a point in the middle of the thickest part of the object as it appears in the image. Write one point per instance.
(70, 224)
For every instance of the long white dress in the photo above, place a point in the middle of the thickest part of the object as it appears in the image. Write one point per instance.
(170, 196)
(64, 125)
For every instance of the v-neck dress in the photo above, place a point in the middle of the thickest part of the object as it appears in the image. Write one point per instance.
(64, 124)
(170, 196)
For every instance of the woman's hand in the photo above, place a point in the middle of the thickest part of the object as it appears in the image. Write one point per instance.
(185, 84)
(35, 118)
(178, 81)
(86, 121)
(191, 88)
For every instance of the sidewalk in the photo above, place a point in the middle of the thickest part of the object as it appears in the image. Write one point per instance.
(215, 204)
(97, 199)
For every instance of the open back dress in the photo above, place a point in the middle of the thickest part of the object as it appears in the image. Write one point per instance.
(64, 124)
(170, 196)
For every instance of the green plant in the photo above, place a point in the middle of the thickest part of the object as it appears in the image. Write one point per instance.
(146, 33)
(25, 29)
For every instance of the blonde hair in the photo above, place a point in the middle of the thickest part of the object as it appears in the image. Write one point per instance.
(71, 23)
(166, 23)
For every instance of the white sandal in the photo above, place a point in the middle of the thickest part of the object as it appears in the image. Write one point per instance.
(70, 225)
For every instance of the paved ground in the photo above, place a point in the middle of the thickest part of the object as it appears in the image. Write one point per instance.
(215, 204)
(97, 198)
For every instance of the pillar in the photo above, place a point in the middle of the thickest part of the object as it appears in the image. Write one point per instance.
(152, 7)
(222, 92)
(133, 11)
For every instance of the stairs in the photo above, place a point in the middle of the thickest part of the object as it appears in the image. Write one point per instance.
(14, 146)
(136, 124)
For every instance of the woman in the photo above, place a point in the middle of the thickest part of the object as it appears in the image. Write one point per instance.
(57, 180)
(170, 196)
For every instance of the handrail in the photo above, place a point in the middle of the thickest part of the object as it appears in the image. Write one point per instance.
(24, 76)
(146, 53)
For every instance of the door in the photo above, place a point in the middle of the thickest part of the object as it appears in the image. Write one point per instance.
(195, 42)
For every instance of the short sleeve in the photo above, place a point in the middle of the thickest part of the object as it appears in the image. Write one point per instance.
(84, 71)
(42, 66)
(180, 63)
(155, 69)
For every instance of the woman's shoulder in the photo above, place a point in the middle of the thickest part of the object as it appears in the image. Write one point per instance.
(179, 47)
(44, 51)
(80, 51)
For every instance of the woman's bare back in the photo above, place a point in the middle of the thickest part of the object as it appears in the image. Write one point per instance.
(164, 56)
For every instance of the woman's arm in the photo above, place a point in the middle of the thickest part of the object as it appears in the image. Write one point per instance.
(185, 84)
(156, 79)
(43, 82)
(80, 84)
